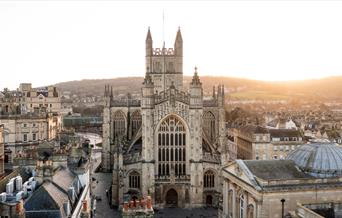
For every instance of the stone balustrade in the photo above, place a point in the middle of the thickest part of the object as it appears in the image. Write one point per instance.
(131, 158)
(210, 103)
(169, 178)
(177, 95)
(211, 158)
(304, 212)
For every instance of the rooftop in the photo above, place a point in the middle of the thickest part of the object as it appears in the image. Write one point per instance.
(254, 129)
(319, 159)
(275, 169)
(47, 197)
(279, 133)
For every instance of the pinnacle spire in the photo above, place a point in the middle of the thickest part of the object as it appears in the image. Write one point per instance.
(179, 35)
(147, 79)
(149, 36)
(195, 79)
(214, 96)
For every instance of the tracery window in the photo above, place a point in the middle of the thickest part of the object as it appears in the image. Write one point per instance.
(209, 179)
(134, 180)
(209, 126)
(171, 147)
(135, 122)
(119, 124)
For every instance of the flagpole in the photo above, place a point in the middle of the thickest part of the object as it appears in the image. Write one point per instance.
(164, 49)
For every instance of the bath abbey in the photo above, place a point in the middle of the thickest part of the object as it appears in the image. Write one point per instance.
(171, 141)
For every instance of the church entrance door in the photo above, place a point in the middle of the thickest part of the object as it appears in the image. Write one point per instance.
(171, 198)
(209, 200)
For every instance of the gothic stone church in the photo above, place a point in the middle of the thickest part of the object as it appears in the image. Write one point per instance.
(171, 142)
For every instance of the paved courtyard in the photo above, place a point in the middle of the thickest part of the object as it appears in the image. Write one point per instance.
(186, 213)
(99, 186)
(102, 183)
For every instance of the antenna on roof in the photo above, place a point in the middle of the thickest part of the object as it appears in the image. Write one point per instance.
(163, 50)
(163, 28)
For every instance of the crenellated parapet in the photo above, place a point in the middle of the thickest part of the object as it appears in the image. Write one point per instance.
(125, 103)
(163, 51)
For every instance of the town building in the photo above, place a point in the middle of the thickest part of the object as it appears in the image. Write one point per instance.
(249, 139)
(307, 184)
(283, 141)
(260, 143)
(2, 151)
(28, 100)
(29, 116)
(58, 185)
(281, 123)
(22, 132)
(170, 143)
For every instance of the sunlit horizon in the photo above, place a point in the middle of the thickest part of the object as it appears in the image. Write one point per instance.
(45, 43)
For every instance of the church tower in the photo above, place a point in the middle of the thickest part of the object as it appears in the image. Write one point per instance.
(196, 165)
(165, 144)
(106, 145)
(147, 152)
(165, 64)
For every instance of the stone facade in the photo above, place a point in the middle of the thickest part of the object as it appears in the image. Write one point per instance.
(170, 143)
(2, 150)
(29, 100)
(256, 188)
(30, 116)
(260, 143)
(21, 132)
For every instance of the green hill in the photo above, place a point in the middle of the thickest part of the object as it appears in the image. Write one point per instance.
(319, 89)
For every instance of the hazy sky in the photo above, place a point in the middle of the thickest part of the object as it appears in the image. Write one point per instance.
(46, 42)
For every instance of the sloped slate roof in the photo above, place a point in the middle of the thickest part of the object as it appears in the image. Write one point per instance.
(43, 214)
(64, 179)
(46, 197)
(277, 133)
(275, 169)
(254, 129)
(319, 159)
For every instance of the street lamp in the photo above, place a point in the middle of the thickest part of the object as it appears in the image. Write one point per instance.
(282, 207)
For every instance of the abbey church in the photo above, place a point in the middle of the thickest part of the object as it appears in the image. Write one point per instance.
(169, 143)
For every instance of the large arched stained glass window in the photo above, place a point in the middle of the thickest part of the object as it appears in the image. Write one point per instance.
(119, 124)
(209, 126)
(171, 140)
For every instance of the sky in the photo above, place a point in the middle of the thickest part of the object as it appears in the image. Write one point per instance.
(46, 42)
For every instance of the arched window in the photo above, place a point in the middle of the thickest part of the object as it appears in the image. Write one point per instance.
(172, 135)
(135, 122)
(250, 211)
(209, 179)
(134, 180)
(242, 206)
(209, 126)
(119, 124)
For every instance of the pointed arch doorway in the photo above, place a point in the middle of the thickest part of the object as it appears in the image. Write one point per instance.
(171, 198)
